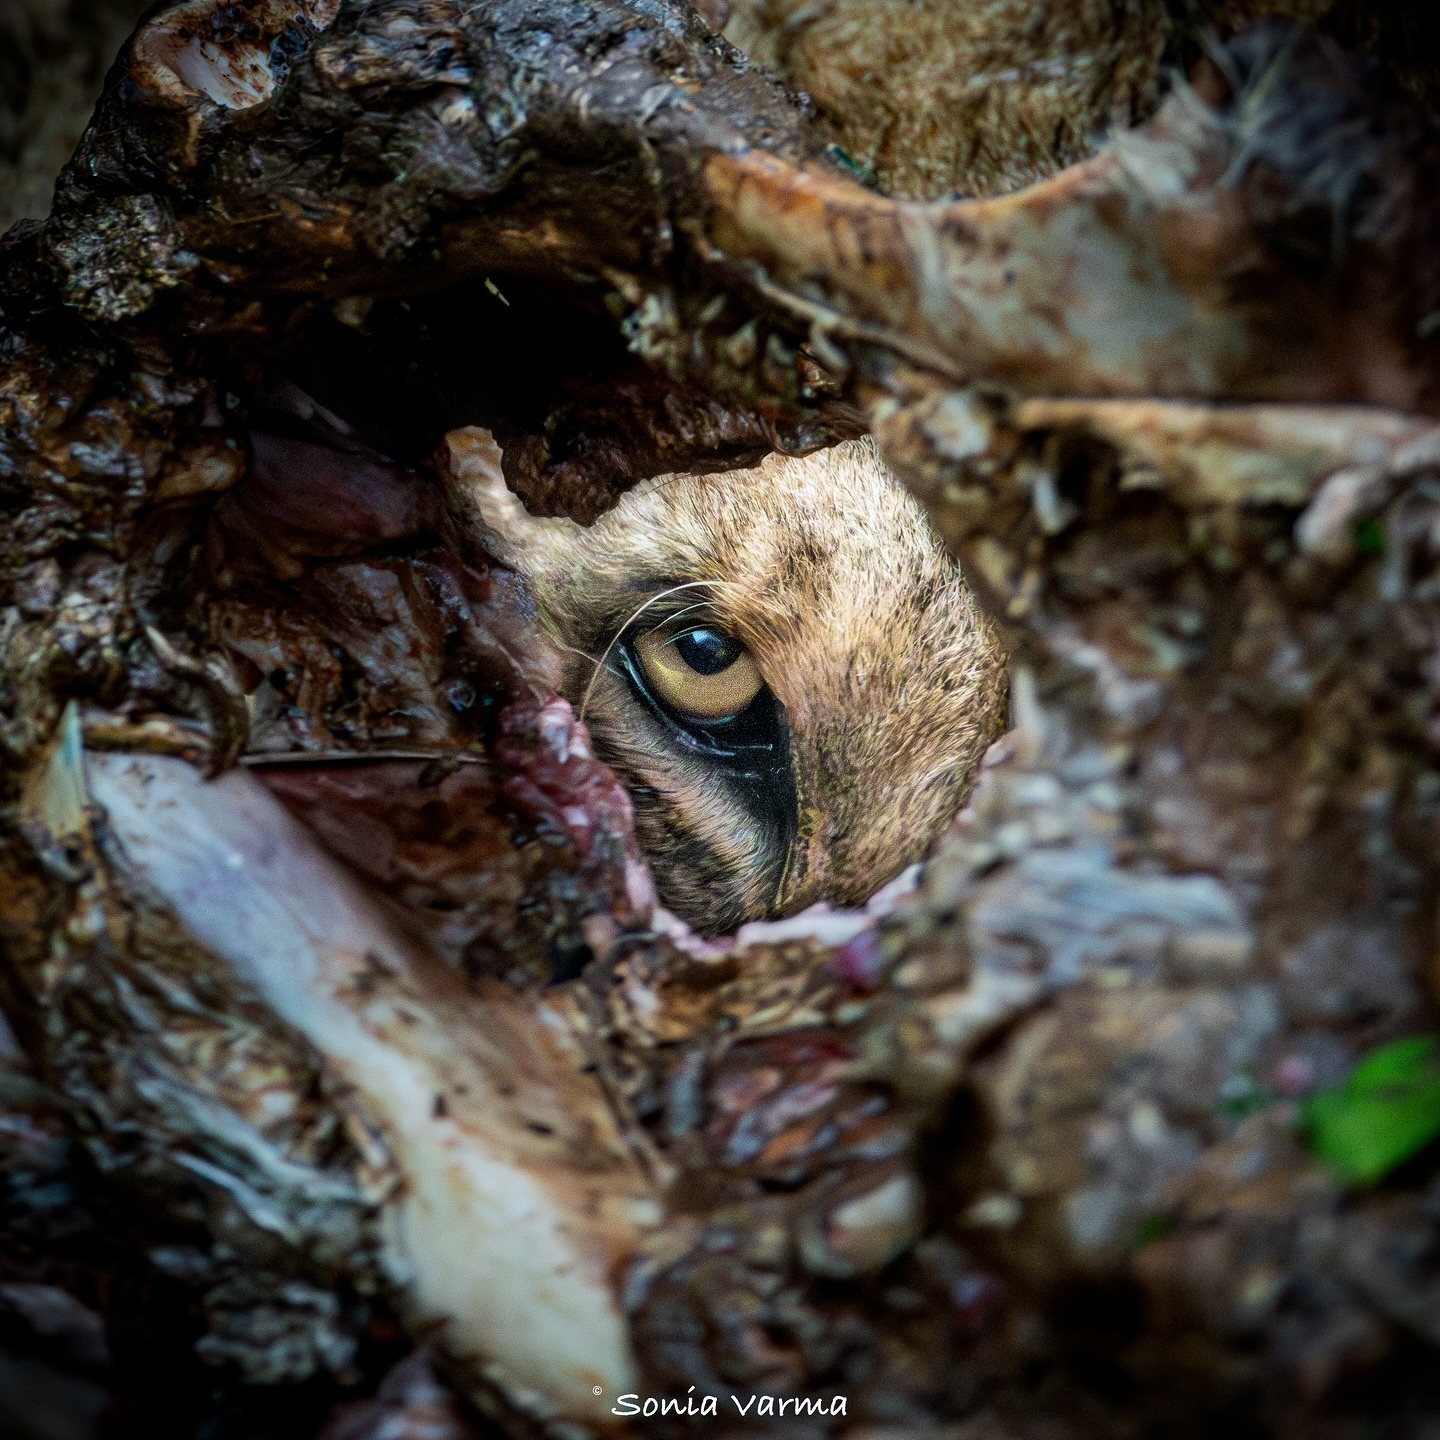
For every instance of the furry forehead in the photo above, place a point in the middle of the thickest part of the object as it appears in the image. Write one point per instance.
(829, 536)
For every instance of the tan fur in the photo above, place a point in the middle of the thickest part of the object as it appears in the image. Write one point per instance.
(986, 96)
(860, 623)
(976, 96)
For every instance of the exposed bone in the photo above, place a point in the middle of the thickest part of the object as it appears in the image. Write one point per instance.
(1114, 278)
(1223, 454)
(223, 54)
(1151, 269)
(519, 1197)
(1207, 862)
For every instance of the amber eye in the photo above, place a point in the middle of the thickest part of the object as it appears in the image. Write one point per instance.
(703, 673)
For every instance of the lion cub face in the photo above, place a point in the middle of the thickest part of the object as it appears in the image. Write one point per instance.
(784, 665)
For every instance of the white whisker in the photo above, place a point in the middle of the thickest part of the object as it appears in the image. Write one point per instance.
(680, 614)
(631, 619)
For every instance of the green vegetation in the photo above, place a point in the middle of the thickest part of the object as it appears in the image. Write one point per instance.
(1386, 1110)
(1369, 537)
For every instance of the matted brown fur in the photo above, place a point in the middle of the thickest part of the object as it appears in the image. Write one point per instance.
(985, 96)
(862, 626)
(975, 96)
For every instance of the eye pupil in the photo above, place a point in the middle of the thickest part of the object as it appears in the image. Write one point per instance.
(708, 652)
(701, 674)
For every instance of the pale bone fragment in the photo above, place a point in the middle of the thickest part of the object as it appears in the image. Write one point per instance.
(520, 1201)
(1098, 303)
(1116, 277)
(1342, 461)
(1226, 455)
(185, 53)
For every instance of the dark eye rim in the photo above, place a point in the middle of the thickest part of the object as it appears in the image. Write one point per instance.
(750, 749)
(752, 737)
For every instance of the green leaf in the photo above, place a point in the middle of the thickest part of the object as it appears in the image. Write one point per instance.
(1386, 1110)
(1369, 537)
